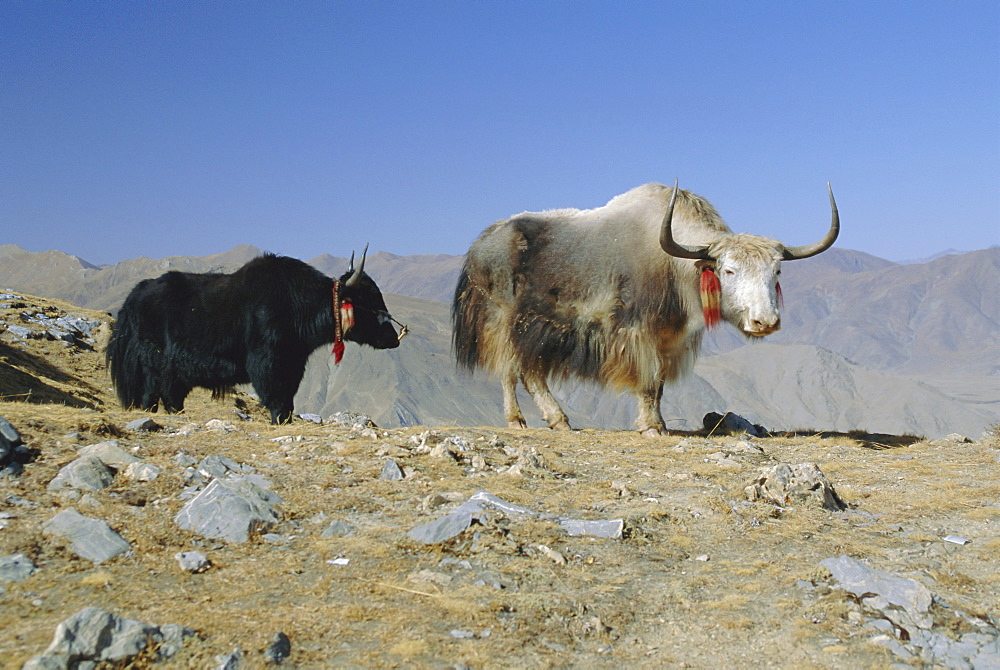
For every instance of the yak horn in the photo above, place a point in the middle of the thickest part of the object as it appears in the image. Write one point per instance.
(798, 253)
(673, 247)
(356, 274)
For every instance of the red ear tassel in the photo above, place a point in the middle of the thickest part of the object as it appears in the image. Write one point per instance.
(347, 315)
(710, 290)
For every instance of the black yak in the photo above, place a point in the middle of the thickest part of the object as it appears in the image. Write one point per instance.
(257, 325)
(608, 295)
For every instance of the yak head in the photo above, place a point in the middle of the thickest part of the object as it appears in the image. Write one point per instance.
(372, 323)
(746, 269)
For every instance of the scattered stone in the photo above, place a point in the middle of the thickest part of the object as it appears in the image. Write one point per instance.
(110, 453)
(391, 472)
(351, 420)
(184, 460)
(337, 528)
(279, 649)
(462, 634)
(215, 466)
(611, 529)
(192, 561)
(443, 529)
(9, 436)
(143, 426)
(904, 601)
(340, 561)
(556, 557)
(88, 538)
(314, 418)
(142, 472)
(955, 539)
(731, 424)
(785, 484)
(93, 635)
(88, 473)
(220, 426)
(16, 568)
(229, 509)
(230, 661)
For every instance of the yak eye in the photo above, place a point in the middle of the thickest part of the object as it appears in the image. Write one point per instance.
(728, 272)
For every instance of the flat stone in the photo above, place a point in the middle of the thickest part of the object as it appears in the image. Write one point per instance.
(16, 568)
(9, 434)
(229, 510)
(192, 561)
(92, 539)
(143, 426)
(110, 453)
(443, 529)
(611, 529)
(337, 528)
(88, 473)
(142, 472)
(391, 472)
(882, 590)
(279, 649)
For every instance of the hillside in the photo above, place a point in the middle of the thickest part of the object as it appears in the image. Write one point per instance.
(589, 548)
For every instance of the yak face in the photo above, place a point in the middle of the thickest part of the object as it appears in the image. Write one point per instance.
(748, 268)
(372, 321)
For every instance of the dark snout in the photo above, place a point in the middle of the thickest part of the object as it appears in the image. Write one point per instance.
(386, 337)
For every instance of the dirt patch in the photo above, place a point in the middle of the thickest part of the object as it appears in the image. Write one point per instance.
(700, 578)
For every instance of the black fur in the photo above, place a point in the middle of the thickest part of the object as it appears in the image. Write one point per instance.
(257, 325)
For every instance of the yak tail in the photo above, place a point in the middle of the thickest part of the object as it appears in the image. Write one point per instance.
(467, 314)
(126, 358)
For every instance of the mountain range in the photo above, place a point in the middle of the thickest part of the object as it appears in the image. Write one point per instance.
(866, 344)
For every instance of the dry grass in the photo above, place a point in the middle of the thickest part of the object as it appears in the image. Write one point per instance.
(643, 601)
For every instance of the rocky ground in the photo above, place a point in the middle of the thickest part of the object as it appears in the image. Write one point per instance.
(213, 539)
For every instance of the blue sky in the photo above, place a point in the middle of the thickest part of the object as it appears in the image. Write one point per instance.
(161, 128)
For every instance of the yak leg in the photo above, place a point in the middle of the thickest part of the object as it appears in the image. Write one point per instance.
(276, 378)
(650, 421)
(547, 404)
(173, 393)
(511, 410)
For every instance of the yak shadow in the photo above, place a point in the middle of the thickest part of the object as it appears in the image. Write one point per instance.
(25, 377)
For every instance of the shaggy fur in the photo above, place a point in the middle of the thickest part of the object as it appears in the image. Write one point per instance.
(590, 294)
(257, 325)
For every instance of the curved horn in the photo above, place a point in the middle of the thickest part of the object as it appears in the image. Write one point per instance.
(798, 253)
(356, 274)
(673, 247)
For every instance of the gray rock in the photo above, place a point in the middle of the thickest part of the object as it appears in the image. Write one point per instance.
(8, 434)
(731, 424)
(218, 466)
(279, 649)
(143, 426)
(184, 460)
(142, 472)
(784, 484)
(22, 332)
(610, 529)
(92, 539)
(88, 473)
(351, 420)
(229, 510)
(192, 561)
(315, 418)
(391, 471)
(16, 568)
(110, 453)
(94, 635)
(443, 529)
(883, 591)
(231, 661)
(337, 528)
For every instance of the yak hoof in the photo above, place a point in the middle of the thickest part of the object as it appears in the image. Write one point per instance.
(519, 422)
(653, 432)
(561, 424)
